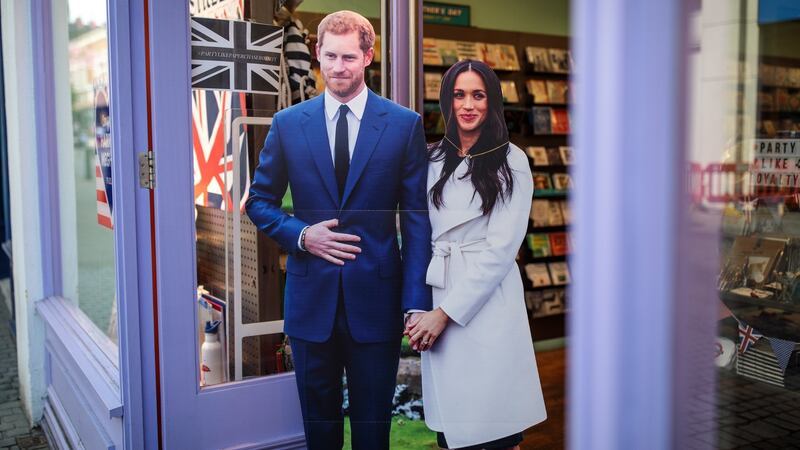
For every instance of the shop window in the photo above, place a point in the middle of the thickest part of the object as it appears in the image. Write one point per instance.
(84, 159)
(744, 155)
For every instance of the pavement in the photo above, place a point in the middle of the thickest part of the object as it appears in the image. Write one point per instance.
(15, 431)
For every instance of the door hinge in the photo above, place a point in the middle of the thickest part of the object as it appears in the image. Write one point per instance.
(147, 170)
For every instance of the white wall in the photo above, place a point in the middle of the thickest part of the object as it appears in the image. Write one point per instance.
(720, 29)
(24, 198)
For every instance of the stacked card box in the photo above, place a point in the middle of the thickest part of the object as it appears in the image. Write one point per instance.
(548, 244)
(548, 274)
(550, 213)
(759, 363)
(546, 302)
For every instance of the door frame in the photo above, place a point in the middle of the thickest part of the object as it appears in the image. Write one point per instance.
(275, 421)
(132, 218)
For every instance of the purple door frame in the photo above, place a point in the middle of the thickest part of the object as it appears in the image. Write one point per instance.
(132, 223)
(634, 325)
(256, 413)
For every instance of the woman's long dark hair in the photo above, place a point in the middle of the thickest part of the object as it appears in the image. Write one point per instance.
(490, 172)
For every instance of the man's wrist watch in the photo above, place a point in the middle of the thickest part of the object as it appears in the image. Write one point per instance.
(303, 239)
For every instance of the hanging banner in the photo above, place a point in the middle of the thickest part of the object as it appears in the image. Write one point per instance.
(102, 159)
(237, 56)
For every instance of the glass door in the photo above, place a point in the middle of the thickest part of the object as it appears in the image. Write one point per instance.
(224, 365)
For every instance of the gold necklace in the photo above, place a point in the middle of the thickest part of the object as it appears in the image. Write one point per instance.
(468, 156)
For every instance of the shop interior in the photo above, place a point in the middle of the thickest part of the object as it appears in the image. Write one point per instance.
(531, 57)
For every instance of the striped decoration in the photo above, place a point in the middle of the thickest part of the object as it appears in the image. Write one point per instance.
(759, 363)
(103, 210)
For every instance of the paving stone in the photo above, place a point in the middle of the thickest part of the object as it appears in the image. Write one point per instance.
(791, 425)
(742, 434)
(14, 424)
(765, 430)
(731, 420)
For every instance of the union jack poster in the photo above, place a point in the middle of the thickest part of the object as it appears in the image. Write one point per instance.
(102, 156)
(236, 56)
(213, 151)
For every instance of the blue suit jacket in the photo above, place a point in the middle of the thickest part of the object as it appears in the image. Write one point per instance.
(388, 170)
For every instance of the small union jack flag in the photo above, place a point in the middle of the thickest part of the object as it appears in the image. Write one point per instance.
(747, 337)
(236, 55)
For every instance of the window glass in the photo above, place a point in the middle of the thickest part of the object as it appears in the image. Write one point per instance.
(85, 165)
(744, 162)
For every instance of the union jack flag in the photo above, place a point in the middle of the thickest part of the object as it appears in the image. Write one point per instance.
(235, 55)
(213, 152)
(747, 337)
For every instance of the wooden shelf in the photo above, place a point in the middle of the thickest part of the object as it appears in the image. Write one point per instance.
(533, 74)
(547, 229)
(551, 105)
(553, 167)
(771, 318)
(546, 259)
(544, 316)
(549, 193)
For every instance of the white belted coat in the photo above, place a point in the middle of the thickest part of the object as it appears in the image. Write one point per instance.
(480, 380)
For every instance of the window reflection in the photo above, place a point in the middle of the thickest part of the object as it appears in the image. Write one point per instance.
(744, 172)
(89, 242)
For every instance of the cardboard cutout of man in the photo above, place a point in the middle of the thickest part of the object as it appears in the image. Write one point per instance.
(352, 159)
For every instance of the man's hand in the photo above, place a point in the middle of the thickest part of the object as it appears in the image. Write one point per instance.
(329, 245)
(412, 320)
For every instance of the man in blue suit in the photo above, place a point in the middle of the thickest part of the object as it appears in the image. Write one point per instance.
(352, 160)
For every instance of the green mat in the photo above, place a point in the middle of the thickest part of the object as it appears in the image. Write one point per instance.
(406, 435)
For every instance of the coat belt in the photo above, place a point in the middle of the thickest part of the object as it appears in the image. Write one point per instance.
(444, 251)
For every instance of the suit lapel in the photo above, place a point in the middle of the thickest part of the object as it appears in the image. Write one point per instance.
(372, 125)
(317, 139)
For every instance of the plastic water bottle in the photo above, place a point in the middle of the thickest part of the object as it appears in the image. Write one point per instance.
(211, 356)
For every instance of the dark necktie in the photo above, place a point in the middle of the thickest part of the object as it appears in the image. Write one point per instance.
(342, 150)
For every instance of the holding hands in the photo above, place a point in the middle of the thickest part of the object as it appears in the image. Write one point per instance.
(424, 328)
(321, 241)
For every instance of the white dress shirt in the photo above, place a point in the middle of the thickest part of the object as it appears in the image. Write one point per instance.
(357, 105)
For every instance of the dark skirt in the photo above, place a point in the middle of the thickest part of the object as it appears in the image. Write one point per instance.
(508, 441)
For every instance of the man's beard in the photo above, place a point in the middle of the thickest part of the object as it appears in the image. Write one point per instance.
(349, 89)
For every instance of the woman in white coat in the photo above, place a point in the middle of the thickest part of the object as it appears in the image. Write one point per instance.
(480, 383)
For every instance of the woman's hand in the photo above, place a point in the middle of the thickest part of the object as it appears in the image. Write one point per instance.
(426, 330)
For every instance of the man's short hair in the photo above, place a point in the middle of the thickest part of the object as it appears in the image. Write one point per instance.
(343, 22)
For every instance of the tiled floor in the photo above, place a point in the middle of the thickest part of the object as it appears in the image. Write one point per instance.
(15, 432)
(550, 433)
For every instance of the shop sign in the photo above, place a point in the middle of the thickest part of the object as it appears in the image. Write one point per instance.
(233, 55)
(776, 163)
(102, 147)
(446, 14)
